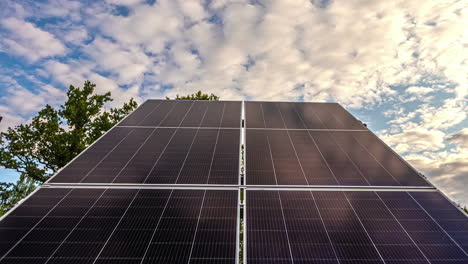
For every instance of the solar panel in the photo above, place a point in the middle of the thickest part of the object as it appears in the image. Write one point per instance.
(352, 227)
(158, 155)
(299, 116)
(305, 157)
(122, 226)
(181, 113)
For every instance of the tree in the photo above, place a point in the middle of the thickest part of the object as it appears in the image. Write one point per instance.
(465, 209)
(40, 148)
(11, 193)
(196, 96)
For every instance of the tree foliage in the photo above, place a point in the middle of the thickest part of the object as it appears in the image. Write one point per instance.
(11, 193)
(465, 209)
(54, 136)
(41, 147)
(196, 96)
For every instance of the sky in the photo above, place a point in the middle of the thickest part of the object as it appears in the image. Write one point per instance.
(399, 66)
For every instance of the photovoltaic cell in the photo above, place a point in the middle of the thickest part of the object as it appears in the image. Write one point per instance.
(299, 116)
(122, 226)
(352, 227)
(158, 155)
(170, 113)
(305, 157)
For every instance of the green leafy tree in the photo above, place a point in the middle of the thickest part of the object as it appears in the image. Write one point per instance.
(197, 96)
(465, 209)
(40, 148)
(11, 193)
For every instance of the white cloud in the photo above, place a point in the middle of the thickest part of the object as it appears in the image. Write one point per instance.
(18, 104)
(124, 2)
(446, 170)
(26, 102)
(416, 140)
(76, 72)
(150, 27)
(76, 36)
(419, 90)
(359, 53)
(460, 138)
(295, 48)
(29, 41)
(9, 118)
(129, 64)
(62, 8)
(451, 113)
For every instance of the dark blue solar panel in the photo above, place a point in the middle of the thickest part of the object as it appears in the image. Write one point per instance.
(170, 113)
(118, 225)
(351, 227)
(159, 155)
(179, 147)
(299, 116)
(302, 157)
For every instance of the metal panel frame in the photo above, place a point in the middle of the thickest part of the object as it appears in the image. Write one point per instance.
(244, 244)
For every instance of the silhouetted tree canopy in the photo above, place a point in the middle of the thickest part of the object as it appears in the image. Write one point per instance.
(197, 96)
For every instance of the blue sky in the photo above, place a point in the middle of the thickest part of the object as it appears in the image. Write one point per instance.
(399, 66)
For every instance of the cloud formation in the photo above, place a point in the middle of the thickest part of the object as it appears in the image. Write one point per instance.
(29, 41)
(400, 65)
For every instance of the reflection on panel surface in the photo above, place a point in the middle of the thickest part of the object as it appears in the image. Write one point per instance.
(305, 157)
(170, 113)
(353, 227)
(122, 226)
(299, 116)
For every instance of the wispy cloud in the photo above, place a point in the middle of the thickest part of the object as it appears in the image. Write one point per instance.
(27, 40)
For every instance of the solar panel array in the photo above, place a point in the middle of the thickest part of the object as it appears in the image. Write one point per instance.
(163, 186)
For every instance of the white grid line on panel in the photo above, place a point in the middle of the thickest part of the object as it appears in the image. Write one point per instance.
(154, 109)
(393, 151)
(364, 228)
(146, 140)
(165, 147)
(190, 148)
(285, 227)
(398, 221)
(116, 226)
(169, 127)
(316, 145)
(263, 187)
(115, 147)
(34, 226)
(432, 218)
(216, 144)
(196, 228)
(74, 227)
(156, 228)
(325, 227)
(88, 147)
(294, 148)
